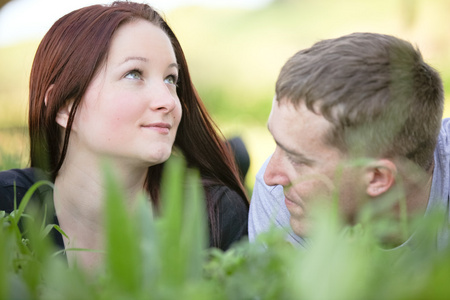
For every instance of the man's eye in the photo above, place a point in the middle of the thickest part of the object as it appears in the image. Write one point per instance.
(295, 162)
(171, 79)
(134, 74)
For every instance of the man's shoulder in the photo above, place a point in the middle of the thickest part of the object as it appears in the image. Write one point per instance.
(445, 127)
(262, 190)
(259, 178)
(443, 143)
(260, 174)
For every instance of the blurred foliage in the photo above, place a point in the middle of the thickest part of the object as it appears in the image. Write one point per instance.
(15, 67)
(164, 256)
(235, 55)
(13, 148)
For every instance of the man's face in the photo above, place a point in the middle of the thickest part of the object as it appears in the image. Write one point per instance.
(303, 163)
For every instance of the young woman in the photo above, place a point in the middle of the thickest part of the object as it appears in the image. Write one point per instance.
(111, 81)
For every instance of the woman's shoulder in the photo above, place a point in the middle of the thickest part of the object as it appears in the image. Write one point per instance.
(232, 214)
(17, 177)
(222, 195)
(14, 184)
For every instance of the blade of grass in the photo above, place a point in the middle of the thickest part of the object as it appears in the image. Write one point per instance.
(194, 234)
(122, 247)
(170, 222)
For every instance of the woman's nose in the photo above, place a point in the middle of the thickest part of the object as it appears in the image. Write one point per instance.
(162, 98)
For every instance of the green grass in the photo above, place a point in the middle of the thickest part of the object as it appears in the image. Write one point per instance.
(234, 57)
(165, 256)
(13, 148)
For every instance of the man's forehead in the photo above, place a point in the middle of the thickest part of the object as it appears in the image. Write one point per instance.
(298, 112)
(288, 122)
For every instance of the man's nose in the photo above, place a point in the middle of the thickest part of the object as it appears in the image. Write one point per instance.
(275, 173)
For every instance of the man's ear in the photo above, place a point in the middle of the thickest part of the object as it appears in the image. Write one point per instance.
(380, 177)
(62, 117)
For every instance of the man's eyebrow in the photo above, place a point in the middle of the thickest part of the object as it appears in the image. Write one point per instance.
(285, 149)
(291, 152)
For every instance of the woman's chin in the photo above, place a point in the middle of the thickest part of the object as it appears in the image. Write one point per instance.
(159, 158)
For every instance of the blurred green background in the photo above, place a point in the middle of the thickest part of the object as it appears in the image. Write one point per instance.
(235, 56)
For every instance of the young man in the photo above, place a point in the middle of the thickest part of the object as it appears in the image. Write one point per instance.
(359, 117)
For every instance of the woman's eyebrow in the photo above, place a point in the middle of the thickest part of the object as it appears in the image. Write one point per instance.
(144, 59)
(140, 58)
(174, 65)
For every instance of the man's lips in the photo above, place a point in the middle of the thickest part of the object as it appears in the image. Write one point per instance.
(159, 127)
(288, 202)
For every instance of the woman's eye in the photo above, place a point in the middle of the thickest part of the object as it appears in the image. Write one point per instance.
(134, 74)
(171, 79)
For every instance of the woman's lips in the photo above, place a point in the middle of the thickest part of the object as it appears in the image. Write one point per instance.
(160, 127)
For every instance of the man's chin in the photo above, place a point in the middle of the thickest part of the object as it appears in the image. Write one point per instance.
(299, 227)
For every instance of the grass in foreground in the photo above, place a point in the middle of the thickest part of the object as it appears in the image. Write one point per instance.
(165, 257)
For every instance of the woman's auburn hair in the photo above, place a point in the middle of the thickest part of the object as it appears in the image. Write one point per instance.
(67, 59)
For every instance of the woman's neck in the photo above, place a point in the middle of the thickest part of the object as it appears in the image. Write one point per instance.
(80, 189)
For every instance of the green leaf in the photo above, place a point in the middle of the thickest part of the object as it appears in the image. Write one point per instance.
(122, 247)
(194, 233)
(170, 222)
(26, 198)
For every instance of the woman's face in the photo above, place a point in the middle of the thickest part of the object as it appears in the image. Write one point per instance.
(131, 110)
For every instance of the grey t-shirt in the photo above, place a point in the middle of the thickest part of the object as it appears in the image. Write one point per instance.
(267, 209)
(267, 206)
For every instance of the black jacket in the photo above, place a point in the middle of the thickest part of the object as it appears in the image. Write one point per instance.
(232, 211)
